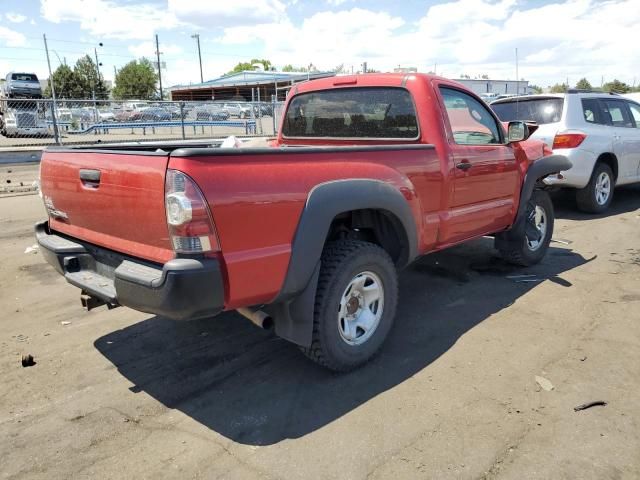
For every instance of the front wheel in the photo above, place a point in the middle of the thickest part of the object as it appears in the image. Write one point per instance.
(355, 304)
(533, 243)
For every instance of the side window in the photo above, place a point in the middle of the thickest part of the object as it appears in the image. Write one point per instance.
(635, 113)
(617, 114)
(590, 110)
(471, 122)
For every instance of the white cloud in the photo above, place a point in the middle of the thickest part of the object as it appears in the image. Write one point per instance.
(109, 19)
(11, 38)
(324, 38)
(15, 17)
(207, 14)
(568, 38)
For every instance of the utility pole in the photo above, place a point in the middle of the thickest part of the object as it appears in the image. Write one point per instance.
(95, 51)
(517, 76)
(197, 37)
(115, 73)
(53, 92)
(159, 67)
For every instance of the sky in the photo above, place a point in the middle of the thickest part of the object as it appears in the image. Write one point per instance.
(556, 40)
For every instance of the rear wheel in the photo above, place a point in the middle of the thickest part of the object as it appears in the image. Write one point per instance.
(533, 244)
(355, 304)
(598, 194)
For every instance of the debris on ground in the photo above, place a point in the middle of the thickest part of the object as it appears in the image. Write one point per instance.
(583, 359)
(584, 406)
(560, 240)
(545, 384)
(28, 361)
(65, 322)
(32, 249)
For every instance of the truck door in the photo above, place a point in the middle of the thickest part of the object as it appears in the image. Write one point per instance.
(486, 176)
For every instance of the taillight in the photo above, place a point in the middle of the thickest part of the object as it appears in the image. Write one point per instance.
(568, 140)
(191, 227)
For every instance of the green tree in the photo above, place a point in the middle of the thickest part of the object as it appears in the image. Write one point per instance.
(616, 86)
(535, 88)
(242, 66)
(89, 81)
(137, 79)
(559, 88)
(65, 83)
(291, 68)
(583, 84)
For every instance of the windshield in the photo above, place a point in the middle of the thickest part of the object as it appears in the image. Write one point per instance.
(539, 110)
(24, 77)
(365, 112)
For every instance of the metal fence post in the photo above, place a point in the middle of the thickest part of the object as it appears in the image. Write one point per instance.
(56, 132)
(273, 112)
(184, 137)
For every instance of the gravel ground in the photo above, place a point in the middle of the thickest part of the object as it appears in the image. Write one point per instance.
(121, 394)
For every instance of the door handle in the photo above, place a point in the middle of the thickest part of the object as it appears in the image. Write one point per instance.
(463, 165)
(89, 177)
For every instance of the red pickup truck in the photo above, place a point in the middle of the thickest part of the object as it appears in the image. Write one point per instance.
(305, 234)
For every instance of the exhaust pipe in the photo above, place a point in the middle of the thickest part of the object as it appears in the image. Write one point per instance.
(257, 317)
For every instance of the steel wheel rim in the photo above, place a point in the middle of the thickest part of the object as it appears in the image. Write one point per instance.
(360, 309)
(538, 217)
(603, 188)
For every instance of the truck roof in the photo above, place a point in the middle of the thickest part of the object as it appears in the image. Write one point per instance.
(367, 80)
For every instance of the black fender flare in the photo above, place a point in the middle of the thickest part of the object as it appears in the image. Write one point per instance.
(293, 307)
(535, 173)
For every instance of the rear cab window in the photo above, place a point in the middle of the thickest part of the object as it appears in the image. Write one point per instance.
(540, 110)
(354, 113)
(24, 77)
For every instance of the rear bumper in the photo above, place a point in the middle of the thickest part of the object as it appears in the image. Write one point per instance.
(579, 174)
(181, 289)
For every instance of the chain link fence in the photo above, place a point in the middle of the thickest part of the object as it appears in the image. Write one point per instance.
(31, 122)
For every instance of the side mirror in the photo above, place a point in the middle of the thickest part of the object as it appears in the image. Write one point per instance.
(517, 131)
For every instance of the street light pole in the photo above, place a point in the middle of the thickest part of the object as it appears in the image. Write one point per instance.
(197, 37)
(159, 67)
(56, 134)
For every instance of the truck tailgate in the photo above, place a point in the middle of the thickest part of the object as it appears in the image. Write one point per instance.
(111, 199)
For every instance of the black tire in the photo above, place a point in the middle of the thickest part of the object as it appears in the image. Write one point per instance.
(524, 251)
(586, 198)
(342, 261)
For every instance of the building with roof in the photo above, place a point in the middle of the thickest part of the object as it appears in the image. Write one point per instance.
(244, 86)
(498, 87)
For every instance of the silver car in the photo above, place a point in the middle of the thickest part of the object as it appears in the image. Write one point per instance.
(598, 132)
(22, 85)
(237, 109)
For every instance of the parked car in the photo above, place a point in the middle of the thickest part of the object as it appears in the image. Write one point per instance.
(106, 115)
(237, 109)
(211, 112)
(82, 115)
(22, 85)
(598, 132)
(263, 109)
(151, 114)
(305, 238)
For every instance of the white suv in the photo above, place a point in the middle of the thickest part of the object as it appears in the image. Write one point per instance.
(598, 132)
